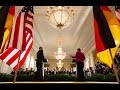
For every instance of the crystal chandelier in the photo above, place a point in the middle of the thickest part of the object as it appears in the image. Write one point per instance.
(60, 54)
(59, 65)
(60, 16)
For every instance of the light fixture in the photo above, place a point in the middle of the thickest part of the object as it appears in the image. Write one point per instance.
(60, 16)
(59, 65)
(60, 54)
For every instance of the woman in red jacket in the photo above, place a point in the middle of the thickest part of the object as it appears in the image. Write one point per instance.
(79, 57)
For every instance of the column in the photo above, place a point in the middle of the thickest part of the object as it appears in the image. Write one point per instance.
(35, 68)
(86, 63)
(76, 69)
(0, 65)
(30, 60)
(43, 69)
(2, 69)
(5, 68)
(92, 64)
(27, 62)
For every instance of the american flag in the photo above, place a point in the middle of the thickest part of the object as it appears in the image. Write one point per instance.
(117, 12)
(21, 39)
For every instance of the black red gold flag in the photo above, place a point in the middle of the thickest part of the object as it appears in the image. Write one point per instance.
(107, 34)
(3, 16)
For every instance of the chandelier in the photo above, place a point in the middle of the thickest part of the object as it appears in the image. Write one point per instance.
(60, 65)
(60, 54)
(60, 16)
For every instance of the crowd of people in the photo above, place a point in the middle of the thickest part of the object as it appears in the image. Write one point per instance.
(66, 72)
(117, 59)
(99, 68)
(24, 72)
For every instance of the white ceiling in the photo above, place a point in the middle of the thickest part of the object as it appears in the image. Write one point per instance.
(80, 34)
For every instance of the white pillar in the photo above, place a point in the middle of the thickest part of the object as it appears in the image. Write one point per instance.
(35, 67)
(89, 60)
(27, 62)
(76, 69)
(2, 67)
(29, 67)
(32, 61)
(92, 64)
(5, 68)
(43, 69)
(86, 63)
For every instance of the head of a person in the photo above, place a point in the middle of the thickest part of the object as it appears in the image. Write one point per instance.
(79, 49)
(40, 48)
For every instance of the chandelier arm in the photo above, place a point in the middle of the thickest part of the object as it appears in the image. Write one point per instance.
(51, 22)
(54, 18)
(61, 14)
(66, 20)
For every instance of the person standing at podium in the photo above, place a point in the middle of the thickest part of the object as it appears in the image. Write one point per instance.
(39, 64)
(79, 59)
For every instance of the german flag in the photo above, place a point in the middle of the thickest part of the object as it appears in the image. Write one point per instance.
(107, 34)
(3, 15)
(8, 26)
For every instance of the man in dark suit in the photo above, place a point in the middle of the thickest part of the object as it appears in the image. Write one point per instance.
(39, 63)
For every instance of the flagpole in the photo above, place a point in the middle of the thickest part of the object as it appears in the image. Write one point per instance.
(114, 67)
(15, 76)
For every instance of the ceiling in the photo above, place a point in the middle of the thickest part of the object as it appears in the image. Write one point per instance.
(80, 34)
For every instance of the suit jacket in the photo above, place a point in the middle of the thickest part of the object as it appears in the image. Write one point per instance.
(79, 57)
(40, 56)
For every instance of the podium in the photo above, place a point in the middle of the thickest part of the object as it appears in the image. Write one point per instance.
(45, 64)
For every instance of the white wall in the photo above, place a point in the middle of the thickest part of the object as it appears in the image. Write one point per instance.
(30, 62)
(89, 61)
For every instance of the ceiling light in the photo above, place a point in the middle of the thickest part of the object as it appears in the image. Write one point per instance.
(60, 54)
(60, 16)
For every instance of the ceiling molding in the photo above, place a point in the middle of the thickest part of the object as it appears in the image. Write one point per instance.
(38, 36)
(88, 10)
(83, 25)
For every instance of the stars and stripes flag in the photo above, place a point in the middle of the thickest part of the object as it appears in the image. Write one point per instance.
(117, 12)
(21, 40)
